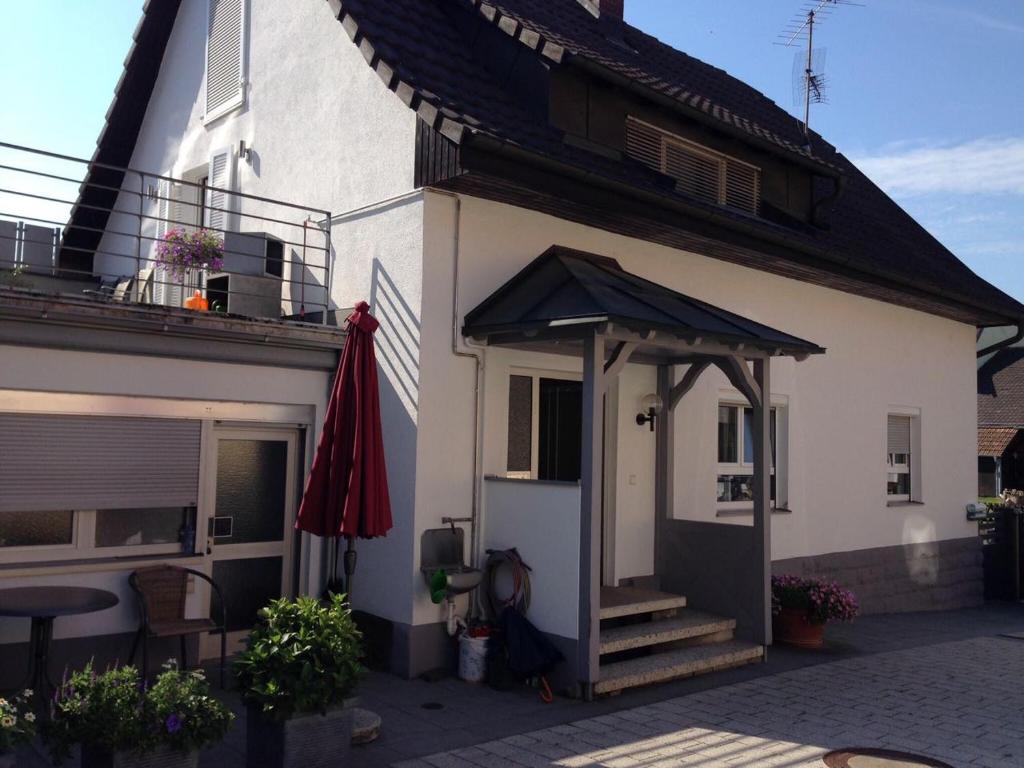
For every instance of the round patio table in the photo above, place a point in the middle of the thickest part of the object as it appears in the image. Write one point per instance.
(42, 605)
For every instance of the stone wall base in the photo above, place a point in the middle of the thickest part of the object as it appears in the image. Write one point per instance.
(938, 575)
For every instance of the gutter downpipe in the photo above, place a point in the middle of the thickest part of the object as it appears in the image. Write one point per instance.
(478, 361)
(1005, 342)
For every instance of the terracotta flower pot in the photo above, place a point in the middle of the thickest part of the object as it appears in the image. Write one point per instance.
(792, 627)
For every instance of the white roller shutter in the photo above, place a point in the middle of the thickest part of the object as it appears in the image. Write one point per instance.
(56, 461)
(899, 434)
(225, 56)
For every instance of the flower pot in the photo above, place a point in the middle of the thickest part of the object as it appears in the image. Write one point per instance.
(792, 627)
(161, 757)
(302, 741)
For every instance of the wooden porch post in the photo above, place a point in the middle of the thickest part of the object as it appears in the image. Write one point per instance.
(762, 496)
(591, 482)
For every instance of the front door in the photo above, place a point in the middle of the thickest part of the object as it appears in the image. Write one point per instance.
(251, 505)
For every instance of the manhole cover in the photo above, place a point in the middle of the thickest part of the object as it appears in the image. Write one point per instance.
(879, 758)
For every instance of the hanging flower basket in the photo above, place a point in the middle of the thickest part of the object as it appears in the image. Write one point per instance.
(802, 607)
(182, 252)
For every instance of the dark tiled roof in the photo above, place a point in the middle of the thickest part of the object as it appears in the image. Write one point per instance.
(421, 50)
(563, 286)
(993, 441)
(1001, 389)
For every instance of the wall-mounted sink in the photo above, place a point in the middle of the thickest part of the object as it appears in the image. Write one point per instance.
(459, 578)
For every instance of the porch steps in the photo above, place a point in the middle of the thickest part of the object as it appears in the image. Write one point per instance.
(672, 665)
(651, 637)
(617, 602)
(687, 625)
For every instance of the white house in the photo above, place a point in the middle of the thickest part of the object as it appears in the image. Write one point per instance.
(555, 217)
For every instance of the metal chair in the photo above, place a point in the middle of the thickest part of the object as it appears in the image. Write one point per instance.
(162, 590)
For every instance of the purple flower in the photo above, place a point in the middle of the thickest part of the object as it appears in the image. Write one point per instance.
(173, 723)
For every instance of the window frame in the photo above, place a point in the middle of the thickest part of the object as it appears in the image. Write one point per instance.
(83, 545)
(210, 116)
(912, 467)
(535, 374)
(779, 469)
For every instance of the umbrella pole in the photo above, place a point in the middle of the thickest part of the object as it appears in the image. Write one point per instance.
(350, 566)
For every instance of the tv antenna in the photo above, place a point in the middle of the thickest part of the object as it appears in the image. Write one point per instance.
(809, 83)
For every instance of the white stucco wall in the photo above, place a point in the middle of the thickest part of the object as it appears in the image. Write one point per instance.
(217, 391)
(879, 356)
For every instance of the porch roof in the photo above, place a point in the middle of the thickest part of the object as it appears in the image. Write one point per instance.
(564, 294)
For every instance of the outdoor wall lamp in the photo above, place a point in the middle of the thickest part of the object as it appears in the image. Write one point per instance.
(650, 407)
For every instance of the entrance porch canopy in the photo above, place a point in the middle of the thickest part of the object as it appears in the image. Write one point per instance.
(574, 303)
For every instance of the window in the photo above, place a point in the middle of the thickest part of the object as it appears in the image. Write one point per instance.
(735, 481)
(699, 172)
(544, 427)
(898, 457)
(225, 57)
(83, 534)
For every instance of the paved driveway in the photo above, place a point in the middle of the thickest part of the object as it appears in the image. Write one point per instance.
(962, 702)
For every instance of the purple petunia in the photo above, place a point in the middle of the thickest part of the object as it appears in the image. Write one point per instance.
(173, 723)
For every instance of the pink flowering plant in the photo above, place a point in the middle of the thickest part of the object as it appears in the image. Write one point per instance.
(182, 252)
(823, 601)
(17, 721)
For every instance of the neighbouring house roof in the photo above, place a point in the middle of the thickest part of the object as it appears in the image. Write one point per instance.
(1001, 389)
(428, 53)
(565, 288)
(993, 441)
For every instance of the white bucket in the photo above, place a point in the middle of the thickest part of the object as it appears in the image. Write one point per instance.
(472, 658)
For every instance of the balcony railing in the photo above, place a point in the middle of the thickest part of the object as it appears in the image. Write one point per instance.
(88, 229)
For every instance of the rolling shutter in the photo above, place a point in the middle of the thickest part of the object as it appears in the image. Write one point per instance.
(899, 434)
(56, 462)
(225, 78)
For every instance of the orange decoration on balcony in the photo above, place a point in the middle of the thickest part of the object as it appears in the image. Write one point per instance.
(197, 302)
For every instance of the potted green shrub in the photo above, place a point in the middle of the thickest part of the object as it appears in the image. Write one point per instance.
(121, 724)
(17, 726)
(802, 607)
(301, 663)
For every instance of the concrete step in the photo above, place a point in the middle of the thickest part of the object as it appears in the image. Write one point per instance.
(688, 624)
(629, 601)
(671, 665)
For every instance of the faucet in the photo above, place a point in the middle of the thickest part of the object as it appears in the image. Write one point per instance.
(453, 520)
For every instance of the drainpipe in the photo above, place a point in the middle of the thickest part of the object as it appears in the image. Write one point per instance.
(478, 363)
(1005, 342)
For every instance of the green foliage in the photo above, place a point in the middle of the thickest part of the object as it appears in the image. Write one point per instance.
(100, 709)
(181, 714)
(17, 721)
(113, 712)
(302, 656)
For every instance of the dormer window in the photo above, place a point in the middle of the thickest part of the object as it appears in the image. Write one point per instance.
(699, 172)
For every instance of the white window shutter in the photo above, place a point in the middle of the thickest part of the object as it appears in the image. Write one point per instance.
(167, 288)
(225, 56)
(220, 204)
(163, 209)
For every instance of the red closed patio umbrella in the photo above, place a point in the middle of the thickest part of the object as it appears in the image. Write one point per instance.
(347, 490)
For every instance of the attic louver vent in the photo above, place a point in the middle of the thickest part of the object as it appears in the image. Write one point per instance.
(699, 172)
(225, 82)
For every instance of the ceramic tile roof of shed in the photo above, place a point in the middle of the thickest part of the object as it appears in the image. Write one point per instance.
(1001, 389)
(993, 441)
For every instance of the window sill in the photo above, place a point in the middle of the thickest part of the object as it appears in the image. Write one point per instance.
(749, 512)
(904, 503)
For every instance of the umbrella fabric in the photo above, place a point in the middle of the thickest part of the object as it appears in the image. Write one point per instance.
(530, 653)
(347, 490)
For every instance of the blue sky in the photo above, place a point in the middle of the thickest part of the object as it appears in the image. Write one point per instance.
(925, 94)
